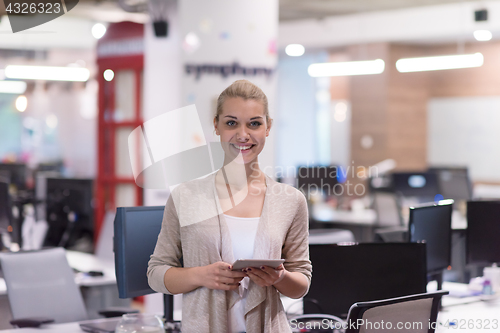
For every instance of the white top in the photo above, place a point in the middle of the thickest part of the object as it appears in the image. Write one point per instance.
(243, 231)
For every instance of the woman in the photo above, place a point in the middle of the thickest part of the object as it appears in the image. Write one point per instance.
(242, 213)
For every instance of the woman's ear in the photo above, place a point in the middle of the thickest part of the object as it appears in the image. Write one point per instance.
(269, 124)
(215, 126)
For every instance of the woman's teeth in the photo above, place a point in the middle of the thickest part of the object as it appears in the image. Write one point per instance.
(243, 147)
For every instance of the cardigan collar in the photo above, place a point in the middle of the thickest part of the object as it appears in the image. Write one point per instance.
(262, 245)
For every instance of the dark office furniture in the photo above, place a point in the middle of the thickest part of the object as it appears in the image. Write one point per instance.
(431, 223)
(5, 207)
(318, 178)
(16, 173)
(483, 232)
(423, 185)
(344, 275)
(453, 182)
(69, 212)
(136, 231)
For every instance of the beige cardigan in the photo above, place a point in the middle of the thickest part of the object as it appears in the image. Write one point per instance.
(282, 233)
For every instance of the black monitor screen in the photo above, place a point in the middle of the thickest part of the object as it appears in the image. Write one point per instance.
(318, 178)
(483, 232)
(453, 183)
(415, 184)
(432, 224)
(344, 275)
(14, 174)
(5, 207)
(136, 231)
(69, 213)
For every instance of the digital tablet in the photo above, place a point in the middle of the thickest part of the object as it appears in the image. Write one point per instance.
(244, 263)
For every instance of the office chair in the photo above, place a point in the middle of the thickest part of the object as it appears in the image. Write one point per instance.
(388, 209)
(418, 311)
(41, 288)
(389, 220)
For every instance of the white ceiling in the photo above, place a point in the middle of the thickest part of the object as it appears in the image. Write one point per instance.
(303, 9)
(288, 9)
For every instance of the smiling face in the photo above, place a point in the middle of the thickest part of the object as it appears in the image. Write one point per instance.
(242, 124)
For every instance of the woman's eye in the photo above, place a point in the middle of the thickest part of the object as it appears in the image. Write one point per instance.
(231, 123)
(255, 123)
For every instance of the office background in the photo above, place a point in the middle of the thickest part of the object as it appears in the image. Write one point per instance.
(408, 121)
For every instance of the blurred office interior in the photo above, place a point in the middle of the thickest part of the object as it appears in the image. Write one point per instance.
(365, 137)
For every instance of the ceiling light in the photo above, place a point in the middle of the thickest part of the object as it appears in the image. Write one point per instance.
(483, 35)
(347, 68)
(47, 73)
(21, 103)
(295, 50)
(12, 87)
(108, 75)
(439, 63)
(98, 30)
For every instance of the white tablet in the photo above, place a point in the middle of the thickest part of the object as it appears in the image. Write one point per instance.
(244, 263)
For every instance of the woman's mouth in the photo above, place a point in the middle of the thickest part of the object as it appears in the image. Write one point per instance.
(244, 149)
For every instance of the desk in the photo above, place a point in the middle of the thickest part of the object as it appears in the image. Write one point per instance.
(476, 311)
(361, 223)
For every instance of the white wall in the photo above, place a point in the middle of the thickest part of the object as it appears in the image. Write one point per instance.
(296, 127)
(464, 131)
(162, 78)
(243, 31)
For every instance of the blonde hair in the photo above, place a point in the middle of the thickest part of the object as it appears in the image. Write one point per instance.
(246, 90)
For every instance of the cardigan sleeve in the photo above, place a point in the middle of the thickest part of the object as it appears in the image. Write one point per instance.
(296, 248)
(168, 250)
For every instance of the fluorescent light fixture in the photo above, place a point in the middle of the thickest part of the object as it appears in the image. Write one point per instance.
(439, 63)
(12, 87)
(347, 68)
(47, 73)
(98, 30)
(295, 50)
(483, 35)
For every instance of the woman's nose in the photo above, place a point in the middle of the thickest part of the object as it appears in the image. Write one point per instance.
(242, 135)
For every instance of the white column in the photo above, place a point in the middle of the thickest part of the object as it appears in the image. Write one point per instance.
(222, 33)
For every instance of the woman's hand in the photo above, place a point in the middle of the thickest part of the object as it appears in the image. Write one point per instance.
(219, 276)
(266, 276)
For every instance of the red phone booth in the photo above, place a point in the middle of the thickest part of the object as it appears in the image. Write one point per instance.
(120, 60)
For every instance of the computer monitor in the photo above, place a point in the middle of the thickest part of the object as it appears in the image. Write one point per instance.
(415, 184)
(69, 213)
(431, 223)
(5, 208)
(16, 174)
(318, 178)
(454, 182)
(483, 232)
(346, 274)
(136, 231)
